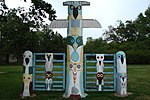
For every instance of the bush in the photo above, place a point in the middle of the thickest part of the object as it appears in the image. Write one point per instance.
(138, 57)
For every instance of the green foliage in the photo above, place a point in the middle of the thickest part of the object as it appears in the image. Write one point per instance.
(132, 37)
(130, 30)
(94, 46)
(26, 30)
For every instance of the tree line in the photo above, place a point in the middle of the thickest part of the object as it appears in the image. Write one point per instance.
(132, 37)
(22, 30)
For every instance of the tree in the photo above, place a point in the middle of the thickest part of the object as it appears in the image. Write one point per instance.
(15, 34)
(95, 46)
(21, 29)
(130, 30)
(142, 25)
(52, 42)
(132, 37)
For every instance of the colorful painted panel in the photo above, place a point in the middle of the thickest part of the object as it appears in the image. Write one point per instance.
(74, 83)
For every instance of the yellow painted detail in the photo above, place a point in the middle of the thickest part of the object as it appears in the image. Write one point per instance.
(70, 17)
(75, 31)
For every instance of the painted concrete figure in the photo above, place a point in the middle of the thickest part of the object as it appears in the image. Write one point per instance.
(27, 62)
(48, 70)
(27, 85)
(27, 76)
(74, 86)
(100, 70)
(74, 24)
(121, 73)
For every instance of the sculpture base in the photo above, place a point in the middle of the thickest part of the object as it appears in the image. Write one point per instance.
(33, 95)
(118, 95)
(75, 97)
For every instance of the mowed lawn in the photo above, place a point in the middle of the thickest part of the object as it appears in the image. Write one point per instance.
(138, 85)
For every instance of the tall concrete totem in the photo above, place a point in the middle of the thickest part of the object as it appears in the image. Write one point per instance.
(100, 71)
(48, 70)
(27, 76)
(121, 73)
(74, 25)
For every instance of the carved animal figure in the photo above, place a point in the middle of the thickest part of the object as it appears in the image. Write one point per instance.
(48, 70)
(27, 76)
(100, 70)
(121, 73)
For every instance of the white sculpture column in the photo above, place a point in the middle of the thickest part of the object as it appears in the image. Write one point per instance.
(100, 71)
(48, 70)
(27, 74)
(121, 74)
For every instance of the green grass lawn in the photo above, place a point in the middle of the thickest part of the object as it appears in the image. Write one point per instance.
(138, 84)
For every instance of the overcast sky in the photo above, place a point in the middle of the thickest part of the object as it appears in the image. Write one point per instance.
(107, 12)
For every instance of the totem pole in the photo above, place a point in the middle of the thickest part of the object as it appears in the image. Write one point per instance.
(74, 25)
(27, 76)
(100, 71)
(48, 70)
(121, 74)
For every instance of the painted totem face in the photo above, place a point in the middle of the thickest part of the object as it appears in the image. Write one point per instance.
(75, 41)
(75, 47)
(27, 58)
(27, 78)
(75, 68)
(49, 56)
(75, 9)
(100, 64)
(123, 79)
(99, 57)
(100, 75)
(49, 74)
(121, 62)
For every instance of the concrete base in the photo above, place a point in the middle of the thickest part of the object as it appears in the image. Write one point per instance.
(118, 95)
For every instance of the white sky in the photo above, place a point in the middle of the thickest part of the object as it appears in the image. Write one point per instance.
(107, 12)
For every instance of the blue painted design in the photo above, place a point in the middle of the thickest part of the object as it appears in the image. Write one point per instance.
(74, 39)
(75, 56)
(73, 7)
(75, 23)
(71, 40)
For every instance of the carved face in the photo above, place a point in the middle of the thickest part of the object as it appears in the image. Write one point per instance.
(99, 57)
(75, 41)
(27, 78)
(27, 58)
(75, 9)
(121, 58)
(49, 74)
(121, 62)
(100, 64)
(123, 79)
(100, 75)
(75, 68)
(49, 56)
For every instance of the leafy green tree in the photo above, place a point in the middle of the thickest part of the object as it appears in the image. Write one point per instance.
(95, 45)
(142, 25)
(130, 30)
(15, 34)
(52, 42)
(132, 37)
(21, 29)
